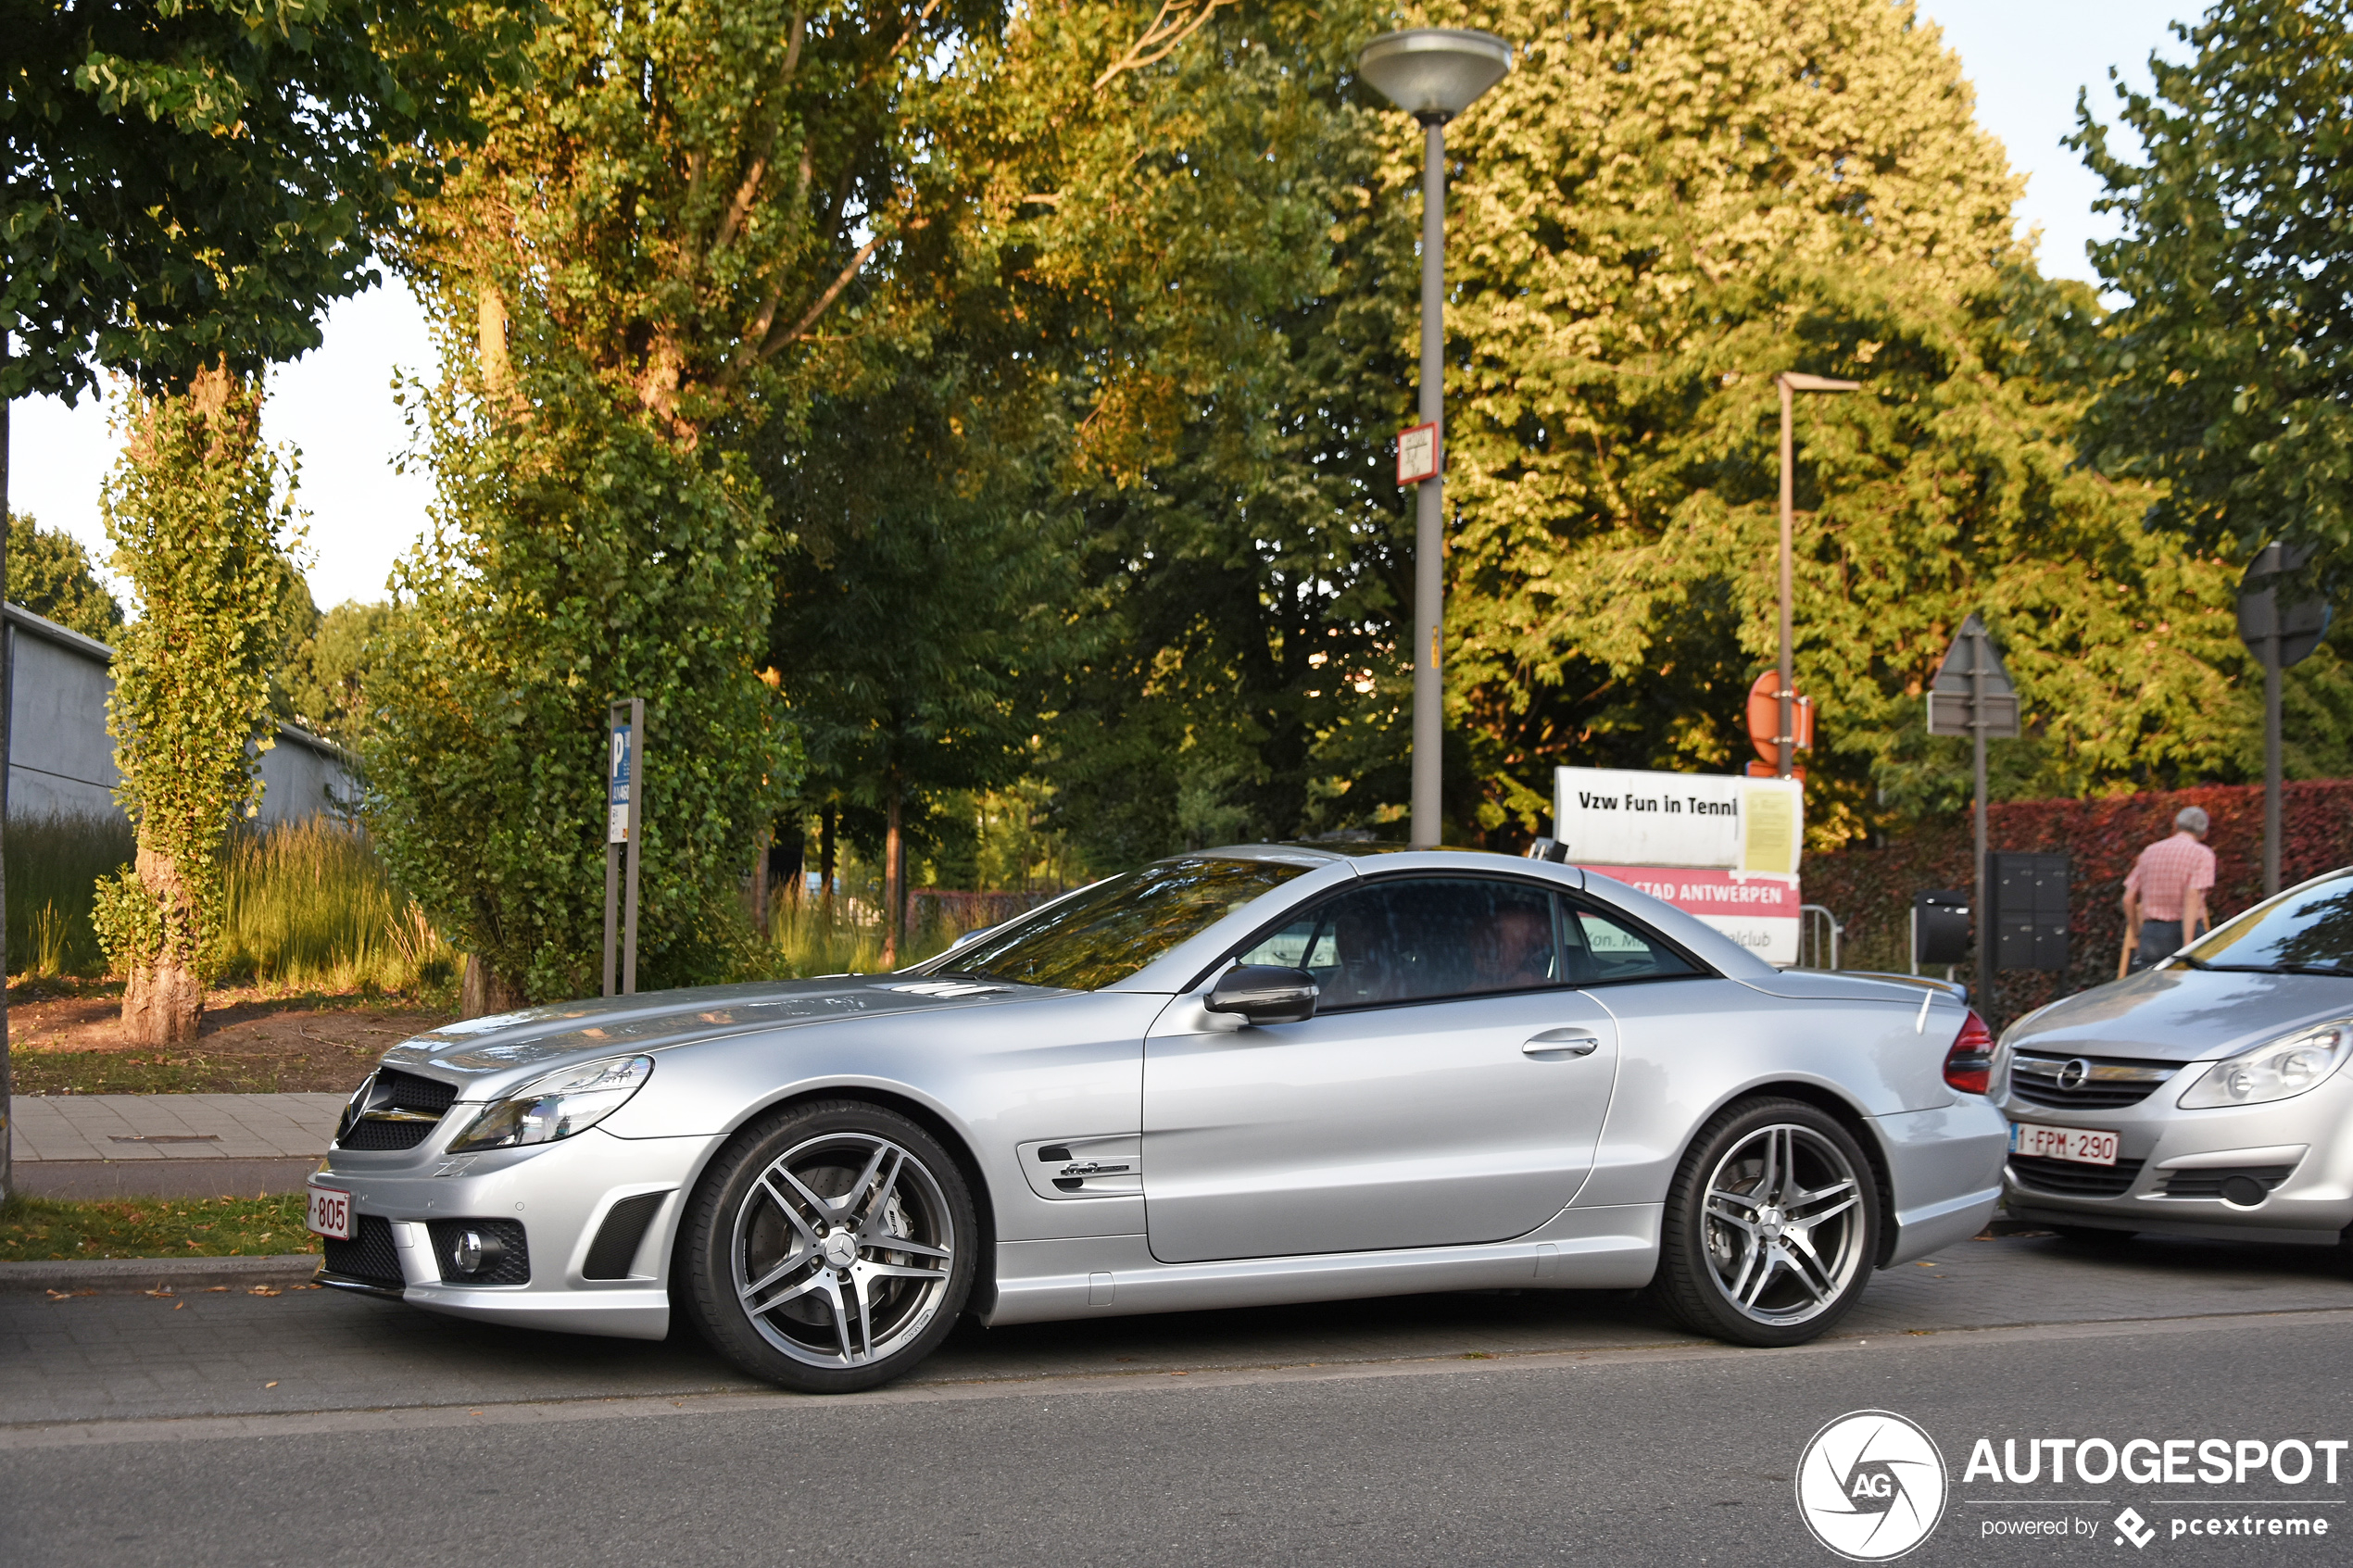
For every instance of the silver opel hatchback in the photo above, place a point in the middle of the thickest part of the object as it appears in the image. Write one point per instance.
(2202, 1096)
(1261, 1074)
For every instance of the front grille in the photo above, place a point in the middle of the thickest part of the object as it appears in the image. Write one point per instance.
(616, 1245)
(2085, 1082)
(368, 1256)
(423, 1101)
(2204, 1183)
(2069, 1179)
(514, 1263)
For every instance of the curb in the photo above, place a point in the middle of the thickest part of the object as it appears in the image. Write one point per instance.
(89, 1274)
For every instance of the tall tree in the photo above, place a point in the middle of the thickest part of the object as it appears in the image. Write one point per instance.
(2230, 371)
(632, 272)
(200, 514)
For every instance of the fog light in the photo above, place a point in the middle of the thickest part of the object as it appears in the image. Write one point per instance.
(474, 1253)
(2244, 1191)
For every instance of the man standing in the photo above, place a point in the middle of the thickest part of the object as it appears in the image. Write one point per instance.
(2164, 895)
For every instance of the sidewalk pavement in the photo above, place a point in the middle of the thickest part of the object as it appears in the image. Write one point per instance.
(169, 1145)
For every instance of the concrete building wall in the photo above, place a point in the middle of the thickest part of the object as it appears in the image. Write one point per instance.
(61, 759)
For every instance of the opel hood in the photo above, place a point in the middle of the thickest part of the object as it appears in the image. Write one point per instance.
(487, 1056)
(2177, 1013)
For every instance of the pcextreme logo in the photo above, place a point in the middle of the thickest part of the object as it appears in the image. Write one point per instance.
(1870, 1486)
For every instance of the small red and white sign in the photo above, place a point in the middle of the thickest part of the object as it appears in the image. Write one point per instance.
(331, 1213)
(1755, 909)
(1417, 454)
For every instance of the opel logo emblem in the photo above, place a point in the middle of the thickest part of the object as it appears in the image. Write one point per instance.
(2074, 1074)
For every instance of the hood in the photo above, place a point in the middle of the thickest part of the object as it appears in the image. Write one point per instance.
(489, 1056)
(2182, 1014)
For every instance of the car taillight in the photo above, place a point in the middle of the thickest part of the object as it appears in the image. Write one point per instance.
(1971, 1060)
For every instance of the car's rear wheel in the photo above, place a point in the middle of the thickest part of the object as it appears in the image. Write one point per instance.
(1771, 1226)
(830, 1248)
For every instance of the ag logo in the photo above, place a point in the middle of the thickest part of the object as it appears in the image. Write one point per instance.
(1870, 1486)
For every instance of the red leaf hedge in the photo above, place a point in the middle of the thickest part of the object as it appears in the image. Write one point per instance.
(1870, 890)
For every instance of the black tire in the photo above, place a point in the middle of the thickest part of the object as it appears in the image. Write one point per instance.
(1703, 1251)
(856, 1233)
(2092, 1235)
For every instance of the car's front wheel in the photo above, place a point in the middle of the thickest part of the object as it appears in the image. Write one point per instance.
(1771, 1226)
(830, 1248)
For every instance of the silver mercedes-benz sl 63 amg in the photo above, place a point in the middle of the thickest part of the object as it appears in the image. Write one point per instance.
(1270, 1073)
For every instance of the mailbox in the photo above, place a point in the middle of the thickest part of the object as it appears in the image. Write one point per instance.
(1940, 927)
(2030, 910)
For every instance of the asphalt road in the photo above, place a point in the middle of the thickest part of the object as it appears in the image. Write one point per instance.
(1465, 1429)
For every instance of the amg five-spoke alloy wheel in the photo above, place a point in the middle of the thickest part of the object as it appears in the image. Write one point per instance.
(830, 1248)
(1771, 1226)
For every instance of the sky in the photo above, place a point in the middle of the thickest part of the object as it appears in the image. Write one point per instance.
(2026, 58)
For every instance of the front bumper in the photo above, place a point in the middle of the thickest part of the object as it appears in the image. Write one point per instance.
(561, 1193)
(2307, 1135)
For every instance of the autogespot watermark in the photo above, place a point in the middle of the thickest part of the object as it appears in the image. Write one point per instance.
(1872, 1484)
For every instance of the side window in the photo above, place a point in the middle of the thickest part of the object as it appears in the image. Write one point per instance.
(1601, 948)
(1417, 939)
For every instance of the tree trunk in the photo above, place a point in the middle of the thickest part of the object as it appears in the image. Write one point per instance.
(760, 882)
(483, 990)
(894, 876)
(163, 1004)
(8, 693)
(825, 864)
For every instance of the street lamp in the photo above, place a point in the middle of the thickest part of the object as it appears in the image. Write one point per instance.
(1792, 382)
(1433, 73)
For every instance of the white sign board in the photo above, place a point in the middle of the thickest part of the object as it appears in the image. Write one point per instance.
(1758, 912)
(1611, 816)
(1717, 845)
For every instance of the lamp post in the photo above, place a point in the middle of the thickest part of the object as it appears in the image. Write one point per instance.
(1792, 383)
(1433, 73)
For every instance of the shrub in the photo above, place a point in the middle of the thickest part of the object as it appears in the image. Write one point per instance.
(1870, 890)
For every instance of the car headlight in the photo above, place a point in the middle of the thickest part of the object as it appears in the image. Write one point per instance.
(2279, 1071)
(557, 1105)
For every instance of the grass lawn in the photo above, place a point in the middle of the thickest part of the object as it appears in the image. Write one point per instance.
(191, 1071)
(37, 1229)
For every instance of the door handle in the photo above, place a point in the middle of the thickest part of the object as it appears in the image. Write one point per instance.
(1563, 1042)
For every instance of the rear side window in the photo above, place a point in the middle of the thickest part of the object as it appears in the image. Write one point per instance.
(1603, 948)
(1419, 939)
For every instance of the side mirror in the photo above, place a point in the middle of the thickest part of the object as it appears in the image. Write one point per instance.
(1265, 994)
(970, 937)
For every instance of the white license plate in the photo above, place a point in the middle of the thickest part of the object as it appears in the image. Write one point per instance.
(2081, 1145)
(331, 1213)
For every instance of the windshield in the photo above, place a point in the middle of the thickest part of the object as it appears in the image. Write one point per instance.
(2310, 931)
(1108, 931)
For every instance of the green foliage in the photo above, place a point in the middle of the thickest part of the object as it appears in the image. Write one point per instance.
(50, 574)
(2229, 377)
(54, 864)
(128, 919)
(1673, 203)
(577, 556)
(200, 514)
(1208, 276)
(192, 181)
(326, 676)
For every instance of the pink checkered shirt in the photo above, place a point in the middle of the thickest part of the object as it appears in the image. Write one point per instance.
(2165, 873)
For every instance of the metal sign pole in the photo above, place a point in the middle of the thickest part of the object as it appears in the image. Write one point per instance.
(2270, 763)
(1980, 657)
(625, 756)
(636, 823)
(1785, 742)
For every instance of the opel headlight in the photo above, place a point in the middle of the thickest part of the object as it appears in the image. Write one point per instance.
(2279, 1071)
(557, 1105)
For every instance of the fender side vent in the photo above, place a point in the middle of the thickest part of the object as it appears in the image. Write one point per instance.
(616, 1245)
